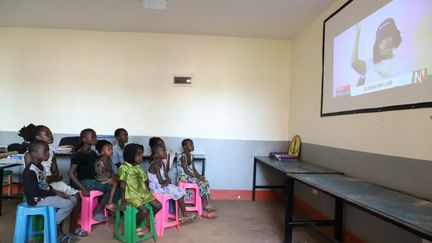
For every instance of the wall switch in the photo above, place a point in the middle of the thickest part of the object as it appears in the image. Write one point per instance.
(315, 192)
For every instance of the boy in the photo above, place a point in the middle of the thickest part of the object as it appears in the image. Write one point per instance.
(39, 193)
(122, 138)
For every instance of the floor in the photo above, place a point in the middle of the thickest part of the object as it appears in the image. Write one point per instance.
(238, 221)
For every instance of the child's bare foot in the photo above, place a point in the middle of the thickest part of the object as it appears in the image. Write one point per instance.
(141, 232)
(210, 208)
(111, 207)
(209, 215)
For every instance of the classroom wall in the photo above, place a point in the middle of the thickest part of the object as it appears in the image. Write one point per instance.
(391, 149)
(72, 79)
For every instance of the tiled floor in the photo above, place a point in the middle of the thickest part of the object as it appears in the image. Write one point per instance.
(238, 221)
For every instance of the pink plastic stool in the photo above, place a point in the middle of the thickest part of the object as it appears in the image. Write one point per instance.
(163, 217)
(196, 200)
(88, 204)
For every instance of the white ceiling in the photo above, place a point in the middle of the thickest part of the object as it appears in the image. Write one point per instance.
(272, 19)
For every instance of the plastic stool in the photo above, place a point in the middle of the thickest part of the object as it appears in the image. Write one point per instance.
(23, 227)
(163, 217)
(37, 224)
(129, 225)
(88, 204)
(196, 200)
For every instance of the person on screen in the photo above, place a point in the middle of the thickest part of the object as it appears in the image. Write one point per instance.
(385, 62)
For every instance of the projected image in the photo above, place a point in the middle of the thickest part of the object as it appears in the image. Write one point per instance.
(390, 48)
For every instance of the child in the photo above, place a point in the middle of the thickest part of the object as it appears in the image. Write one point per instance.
(160, 182)
(39, 193)
(133, 187)
(51, 172)
(188, 173)
(83, 174)
(168, 156)
(122, 138)
(104, 171)
(52, 175)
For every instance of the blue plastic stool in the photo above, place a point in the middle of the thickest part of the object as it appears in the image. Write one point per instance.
(23, 226)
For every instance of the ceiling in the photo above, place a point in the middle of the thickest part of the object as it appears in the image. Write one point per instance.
(270, 19)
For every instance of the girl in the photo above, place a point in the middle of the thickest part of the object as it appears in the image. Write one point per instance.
(50, 169)
(83, 174)
(188, 173)
(104, 171)
(168, 156)
(133, 187)
(160, 182)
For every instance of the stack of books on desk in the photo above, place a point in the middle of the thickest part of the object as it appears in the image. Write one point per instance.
(282, 156)
(64, 149)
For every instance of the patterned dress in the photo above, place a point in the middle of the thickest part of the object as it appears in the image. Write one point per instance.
(57, 185)
(155, 187)
(182, 176)
(136, 192)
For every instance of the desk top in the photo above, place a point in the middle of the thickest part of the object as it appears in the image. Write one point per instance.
(7, 163)
(295, 167)
(404, 209)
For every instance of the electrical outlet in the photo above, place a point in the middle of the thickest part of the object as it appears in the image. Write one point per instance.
(315, 192)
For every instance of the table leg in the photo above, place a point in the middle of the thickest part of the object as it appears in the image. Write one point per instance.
(338, 233)
(254, 180)
(1, 194)
(289, 208)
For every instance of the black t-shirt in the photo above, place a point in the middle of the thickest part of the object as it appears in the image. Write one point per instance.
(86, 164)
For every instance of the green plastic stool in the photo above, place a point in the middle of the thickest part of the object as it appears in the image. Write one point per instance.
(129, 231)
(37, 223)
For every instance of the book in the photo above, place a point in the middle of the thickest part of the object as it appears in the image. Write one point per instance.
(282, 156)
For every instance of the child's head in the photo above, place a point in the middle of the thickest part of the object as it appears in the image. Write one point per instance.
(104, 148)
(158, 152)
(133, 153)
(88, 137)
(121, 135)
(157, 141)
(31, 132)
(38, 151)
(188, 145)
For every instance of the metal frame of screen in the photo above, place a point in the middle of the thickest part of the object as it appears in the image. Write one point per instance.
(366, 110)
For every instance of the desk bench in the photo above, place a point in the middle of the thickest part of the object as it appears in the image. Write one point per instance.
(410, 213)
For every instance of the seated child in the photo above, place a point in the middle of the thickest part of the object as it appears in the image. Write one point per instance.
(83, 174)
(104, 171)
(133, 187)
(160, 182)
(52, 175)
(122, 138)
(168, 156)
(50, 169)
(187, 173)
(39, 193)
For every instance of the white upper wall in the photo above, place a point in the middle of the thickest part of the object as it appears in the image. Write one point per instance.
(71, 79)
(403, 133)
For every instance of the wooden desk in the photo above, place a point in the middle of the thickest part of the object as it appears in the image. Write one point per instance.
(408, 212)
(6, 163)
(287, 168)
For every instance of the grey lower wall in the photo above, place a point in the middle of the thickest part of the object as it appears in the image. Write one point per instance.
(410, 176)
(229, 163)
